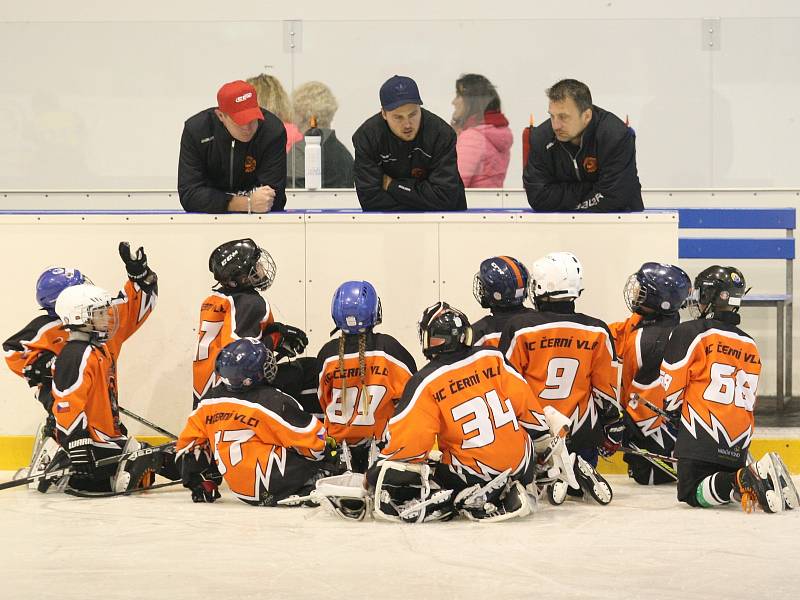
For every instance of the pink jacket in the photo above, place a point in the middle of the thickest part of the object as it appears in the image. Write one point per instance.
(484, 152)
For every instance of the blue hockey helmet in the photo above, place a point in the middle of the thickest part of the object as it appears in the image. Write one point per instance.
(501, 281)
(244, 363)
(52, 282)
(356, 307)
(662, 288)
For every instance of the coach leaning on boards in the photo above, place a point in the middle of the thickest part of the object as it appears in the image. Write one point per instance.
(233, 157)
(405, 156)
(583, 158)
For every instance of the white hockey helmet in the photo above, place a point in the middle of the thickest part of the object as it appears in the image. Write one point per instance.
(558, 275)
(90, 309)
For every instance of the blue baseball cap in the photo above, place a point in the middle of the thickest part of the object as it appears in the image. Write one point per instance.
(399, 90)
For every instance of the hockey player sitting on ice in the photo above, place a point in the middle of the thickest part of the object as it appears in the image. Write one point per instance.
(710, 372)
(654, 294)
(255, 436)
(362, 373)
(236, 309)
(31, 352)
(85, 383)
(501, 285)
(569, 362)
(482, 414)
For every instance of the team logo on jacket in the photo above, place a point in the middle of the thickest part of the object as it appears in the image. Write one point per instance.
(249, 164)
(590, 164)
(418, 173)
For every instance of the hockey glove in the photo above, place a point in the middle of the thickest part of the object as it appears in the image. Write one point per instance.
(136, 265)
(81, 457)
(287, 341)
(40, 371)
(613, 441)
(203, 490)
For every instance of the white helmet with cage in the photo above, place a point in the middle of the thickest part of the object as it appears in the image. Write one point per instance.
(558, 276)
(90, 309)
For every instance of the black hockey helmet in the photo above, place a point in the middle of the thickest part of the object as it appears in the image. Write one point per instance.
(719, 288)
(660, 287)
(242, 264)
(443, 328)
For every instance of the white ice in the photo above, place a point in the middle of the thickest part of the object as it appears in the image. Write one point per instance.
(161, 545)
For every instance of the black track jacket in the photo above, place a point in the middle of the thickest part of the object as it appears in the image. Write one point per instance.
(424, 171)
(598, 176)
(212, 165)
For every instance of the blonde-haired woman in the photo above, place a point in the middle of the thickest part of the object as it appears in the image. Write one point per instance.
(316, 100)
(274, 98)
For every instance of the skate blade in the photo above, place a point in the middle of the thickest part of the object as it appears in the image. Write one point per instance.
(788, 490)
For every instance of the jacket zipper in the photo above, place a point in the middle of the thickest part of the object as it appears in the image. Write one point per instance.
(574, 158)
(230, 170)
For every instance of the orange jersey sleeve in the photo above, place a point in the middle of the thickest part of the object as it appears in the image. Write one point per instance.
(473, 403)
(357, 410)
(134, 305)
(711, 373)
(44, 333)
(250, 439)
(223, 319)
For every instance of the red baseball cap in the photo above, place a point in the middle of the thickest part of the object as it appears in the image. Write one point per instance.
(238, 100)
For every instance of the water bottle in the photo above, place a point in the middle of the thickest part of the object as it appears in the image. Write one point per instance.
(313, 156)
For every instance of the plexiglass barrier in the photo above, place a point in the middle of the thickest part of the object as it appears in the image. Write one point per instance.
(101, 105)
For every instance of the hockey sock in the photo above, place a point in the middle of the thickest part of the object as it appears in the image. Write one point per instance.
(715, 490)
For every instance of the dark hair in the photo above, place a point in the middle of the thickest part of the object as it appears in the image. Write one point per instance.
(479, 96)
(571, 88)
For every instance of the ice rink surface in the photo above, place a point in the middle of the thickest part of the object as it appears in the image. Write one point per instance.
(161, 545)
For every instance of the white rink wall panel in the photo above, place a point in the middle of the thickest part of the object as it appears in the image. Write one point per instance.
(413, 260)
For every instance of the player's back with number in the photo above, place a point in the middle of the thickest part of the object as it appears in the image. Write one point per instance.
(711, 369)
(566, 359)
(475, 404)
(381, 369)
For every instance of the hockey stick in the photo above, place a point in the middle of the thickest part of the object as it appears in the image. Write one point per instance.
(33, 478)
(80, 494)
(147, 423)
(112, 460)
(661, 462)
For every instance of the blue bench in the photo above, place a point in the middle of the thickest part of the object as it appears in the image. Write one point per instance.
(780, 248)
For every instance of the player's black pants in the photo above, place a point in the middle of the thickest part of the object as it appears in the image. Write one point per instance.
(298, 478)
(641, 470)
(691, 474)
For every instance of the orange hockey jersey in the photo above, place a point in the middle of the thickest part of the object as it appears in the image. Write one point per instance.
(85, 376)
(225, 317)
(251, 435)
(710, 371)
(570, 364)
(44, 333)
(480, 409)
(387, 368)
(640, 345)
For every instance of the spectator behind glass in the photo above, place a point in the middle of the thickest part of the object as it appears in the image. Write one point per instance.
(406, 155)
(315, 99)
(233, 156)
(484, 138)
(274, 98)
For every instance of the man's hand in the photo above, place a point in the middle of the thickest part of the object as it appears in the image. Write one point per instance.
(386, 182)
(262, 199)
